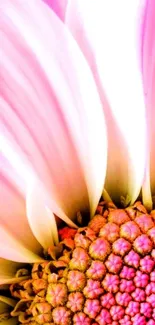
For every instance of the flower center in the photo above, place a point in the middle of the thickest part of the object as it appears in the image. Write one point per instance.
(100, 274)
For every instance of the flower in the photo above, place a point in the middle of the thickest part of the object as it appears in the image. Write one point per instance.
(64, 98)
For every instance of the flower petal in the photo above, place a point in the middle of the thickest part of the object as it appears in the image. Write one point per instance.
(63, 142)
(8, 271)
(58, 6)
(148, 71)
(110, 48)
(14, 226)
(40, 217)
(12, 249)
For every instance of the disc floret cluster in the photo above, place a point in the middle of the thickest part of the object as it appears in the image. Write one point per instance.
(100, 274)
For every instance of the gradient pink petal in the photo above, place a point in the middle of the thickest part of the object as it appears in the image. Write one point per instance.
(147, 46)
(49, 116)
(58, 6)
(14, 226)
(106, 33)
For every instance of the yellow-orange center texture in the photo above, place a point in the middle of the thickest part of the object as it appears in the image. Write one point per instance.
(100, 274)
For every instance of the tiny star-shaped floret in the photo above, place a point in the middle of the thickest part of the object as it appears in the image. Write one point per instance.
(80, 259)
(110, 232)
(75, 301)
(76, 281)
(61, 316)
(99, 249)
(56, 294)
(96, 271)
(93, 289)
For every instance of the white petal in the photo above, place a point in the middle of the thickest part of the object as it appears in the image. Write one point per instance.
(13, 218)
(8, 271)
(58, 6)
(50, 72)
(107, 33)
(12, 249)
(41, 219)
(148, 71)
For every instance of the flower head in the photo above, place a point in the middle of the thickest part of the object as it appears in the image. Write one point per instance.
(77, 124)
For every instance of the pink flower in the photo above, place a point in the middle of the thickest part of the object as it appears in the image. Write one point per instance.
(77, 122)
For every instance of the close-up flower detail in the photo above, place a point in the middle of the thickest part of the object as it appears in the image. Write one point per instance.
(77, 157)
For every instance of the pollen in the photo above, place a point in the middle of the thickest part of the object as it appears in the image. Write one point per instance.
(100, 274)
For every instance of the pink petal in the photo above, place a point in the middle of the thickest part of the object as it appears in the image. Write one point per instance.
(58, 6)
(148, 72)
(106, 32)
(40, 217)
(51, 109)
(15, 234)
(8, 271)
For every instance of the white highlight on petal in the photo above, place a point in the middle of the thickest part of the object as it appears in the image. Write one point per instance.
(54, 75)
(12, 204)
(107, 34)
(147, 47)
(8, 270)
(24, 172)
(41, 219)
(12, 249)
(40, 216)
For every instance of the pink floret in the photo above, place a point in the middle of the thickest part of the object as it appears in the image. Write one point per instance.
(152, 276)
(96, 271)
(93, 289)
(146, 309)
(143, 244)
(110, 231)
(127, 273)
(151, 234)
(144, 222)
(130, 231)
(75, 301)
(133, 308)
(151, 322)
(123, 299)
(114, 263)
(147, 264)
(151, 300)
(104, 317)
(117, 312)
(110, 283)
(132, 259)
(61, 316)
(107, 300)
(141, 279)
(126, 320)
(138, 320)
(127, 286)
(99, 249)
(81, 319)
(92, 307)
(121, 246)
(153, 253)
(139, 295)
(150, 288)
